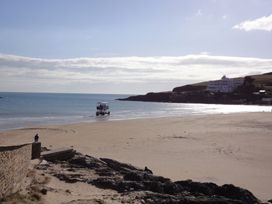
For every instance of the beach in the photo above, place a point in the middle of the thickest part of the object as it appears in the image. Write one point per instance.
(220, 148)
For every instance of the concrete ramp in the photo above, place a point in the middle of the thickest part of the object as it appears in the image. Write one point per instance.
(58, 154)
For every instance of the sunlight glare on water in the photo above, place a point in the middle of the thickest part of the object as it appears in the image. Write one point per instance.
(19, 110)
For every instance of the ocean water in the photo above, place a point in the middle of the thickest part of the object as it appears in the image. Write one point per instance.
(20, 110)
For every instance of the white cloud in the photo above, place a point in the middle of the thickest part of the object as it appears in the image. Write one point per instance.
(263, 23)
(204, 53)
(88, 74)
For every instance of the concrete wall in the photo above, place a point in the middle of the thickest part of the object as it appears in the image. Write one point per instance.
(14, 163)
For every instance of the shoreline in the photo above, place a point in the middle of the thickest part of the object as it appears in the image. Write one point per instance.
(94, 119)
(109, 120)
(48, 109)
(221, 148)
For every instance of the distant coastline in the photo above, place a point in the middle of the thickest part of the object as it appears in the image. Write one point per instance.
(252, 90)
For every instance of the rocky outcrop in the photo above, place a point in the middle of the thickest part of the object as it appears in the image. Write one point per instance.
(189, 97)
(127, 179)
(197, 93)
(154, 97)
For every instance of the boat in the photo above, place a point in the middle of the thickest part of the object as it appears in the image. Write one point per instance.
(102, 108)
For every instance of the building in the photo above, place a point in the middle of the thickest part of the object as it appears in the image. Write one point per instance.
(225, 85)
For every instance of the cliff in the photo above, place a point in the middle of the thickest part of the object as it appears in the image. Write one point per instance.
(197, 93)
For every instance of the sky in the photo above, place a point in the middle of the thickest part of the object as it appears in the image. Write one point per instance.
(130, 46)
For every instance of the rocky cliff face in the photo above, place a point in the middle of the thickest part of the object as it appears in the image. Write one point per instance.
(155, 97)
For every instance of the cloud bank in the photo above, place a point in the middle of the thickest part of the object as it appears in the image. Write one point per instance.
(120, 74)
(263, 23)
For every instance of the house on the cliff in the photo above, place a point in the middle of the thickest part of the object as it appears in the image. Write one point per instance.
(224, 85)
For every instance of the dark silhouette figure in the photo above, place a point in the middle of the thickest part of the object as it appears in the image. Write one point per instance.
(148, 170)
(36, 138)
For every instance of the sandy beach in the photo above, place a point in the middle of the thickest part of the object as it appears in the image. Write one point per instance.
(231, 148)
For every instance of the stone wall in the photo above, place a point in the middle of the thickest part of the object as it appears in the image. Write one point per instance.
(14, 163)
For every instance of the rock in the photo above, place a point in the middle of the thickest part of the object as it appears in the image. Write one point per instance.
(210, 189)
(86, 161)
(158, 97)
(197, 187)
(148, 170)
(118, 166)
(107, 183)
(133, 176)
(126, 179)
(44, 162)
(171, 188)
(43, 191)
(233, 192)
(153, 186)
(105, 171)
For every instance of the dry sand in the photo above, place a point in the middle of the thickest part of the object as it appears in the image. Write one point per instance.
(234, 148)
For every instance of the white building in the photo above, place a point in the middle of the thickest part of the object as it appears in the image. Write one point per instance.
(225, 85)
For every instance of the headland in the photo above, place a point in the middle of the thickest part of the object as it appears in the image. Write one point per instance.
(255, 89)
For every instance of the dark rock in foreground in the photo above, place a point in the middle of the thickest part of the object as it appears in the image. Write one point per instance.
(127, 179)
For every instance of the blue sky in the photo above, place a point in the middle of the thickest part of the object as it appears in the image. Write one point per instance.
(35, 33)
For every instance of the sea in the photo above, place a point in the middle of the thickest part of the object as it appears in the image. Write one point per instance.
(24, 110)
